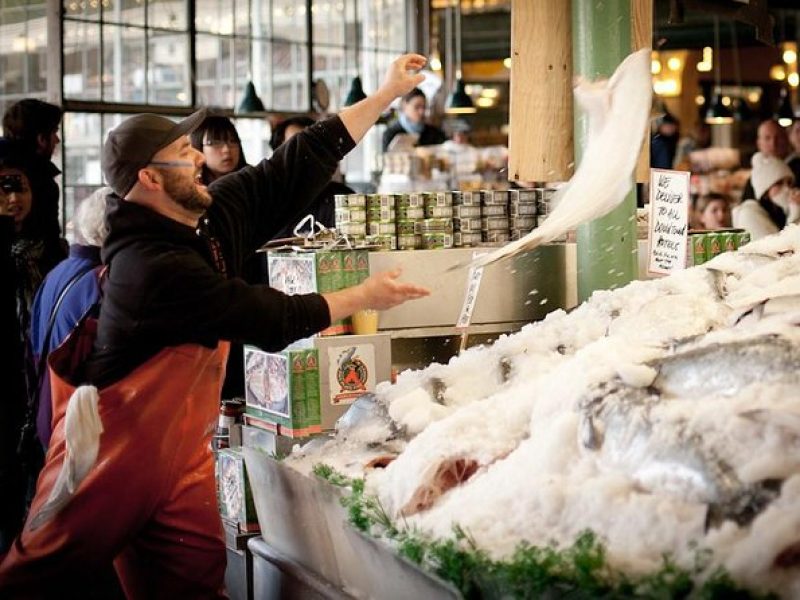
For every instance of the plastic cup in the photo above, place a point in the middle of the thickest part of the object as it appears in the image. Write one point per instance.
(365, 322)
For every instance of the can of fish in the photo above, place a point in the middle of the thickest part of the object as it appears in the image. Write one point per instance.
(464, 238)
(522, 222)
(470, 199)
(496, 236)
(381, 213)
(494, 197)
(380, 201)
(386, 242)
(438, 212)
(466, 211)
(467, 225)
(413, 200)
(697, 244)
(406, 227)
(523, 209)
(436, 226)
(340, 200)
(524, 196)
(439, 199)
(494, 223)
(351, 200)
(743, 237)
(432, 241)
(350, 215)
(728, 240)
(494, 210)
(410, 212)
(713, 242)
(359, 229)
(407, 241)
(381, 228)
(517, 234)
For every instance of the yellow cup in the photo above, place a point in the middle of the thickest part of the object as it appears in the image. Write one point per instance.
(365, 322)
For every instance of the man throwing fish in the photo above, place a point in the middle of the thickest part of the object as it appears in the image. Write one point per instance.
(129, 476)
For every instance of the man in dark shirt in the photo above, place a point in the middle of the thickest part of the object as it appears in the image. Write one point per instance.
(411, 120)
(172, 299)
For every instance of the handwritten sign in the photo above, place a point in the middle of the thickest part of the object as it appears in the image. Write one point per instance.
(471, 295)
(669, 220)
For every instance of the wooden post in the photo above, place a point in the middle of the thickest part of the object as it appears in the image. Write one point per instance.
(642, 37)
(541, 124)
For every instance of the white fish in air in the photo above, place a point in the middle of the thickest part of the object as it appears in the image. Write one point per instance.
(618, 110)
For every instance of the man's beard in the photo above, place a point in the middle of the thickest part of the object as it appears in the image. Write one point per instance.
(185, 193)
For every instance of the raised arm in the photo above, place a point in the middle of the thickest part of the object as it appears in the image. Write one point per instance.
(401, 78)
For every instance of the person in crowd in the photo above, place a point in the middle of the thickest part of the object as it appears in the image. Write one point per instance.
(171, 299)
(772, 140)
(34, 125)
(27, 241)
(794, 141)
(323, 206)
(699, 139)
(411, 119)
(777, 202)
(219, 142)
(664, 142)
(714, 211)
(66, 295)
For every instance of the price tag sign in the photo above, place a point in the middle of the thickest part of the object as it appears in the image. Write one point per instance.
(669, 221)
(471, 295)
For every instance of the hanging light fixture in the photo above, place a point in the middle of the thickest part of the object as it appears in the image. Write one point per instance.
(459, 102)
(250, 101)
(785, 114)
(717, 113)
(356, 93)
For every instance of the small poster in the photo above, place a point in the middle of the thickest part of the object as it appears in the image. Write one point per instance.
(351, 372)
(669, 221)
(266, 379)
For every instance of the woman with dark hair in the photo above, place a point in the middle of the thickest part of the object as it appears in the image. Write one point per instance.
(411, 120)
(219, 142)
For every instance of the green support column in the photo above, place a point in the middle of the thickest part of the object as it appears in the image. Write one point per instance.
(607, 250)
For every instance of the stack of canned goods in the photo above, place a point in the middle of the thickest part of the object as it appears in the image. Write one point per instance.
(381, 221)
(523, 206)
(351, 215)
(467, 219)
(410, 215)
(437, 227)
(494, 216)
(705, 245)
(545, 200)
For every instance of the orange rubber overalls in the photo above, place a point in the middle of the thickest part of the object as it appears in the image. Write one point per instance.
(149, 502)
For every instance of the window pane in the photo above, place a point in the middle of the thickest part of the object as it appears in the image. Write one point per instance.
(123, 63)
(82, 9)
(262, 18)
(81, 60)
(214, 71)
(82, 141)
(167, 14)
(255, 134)
(289, 81)
(289, 20)
(262, 71)
(241, 17)
(214, 16)
(329, 66)
(168, 72)
(328, 21)
(130, 12)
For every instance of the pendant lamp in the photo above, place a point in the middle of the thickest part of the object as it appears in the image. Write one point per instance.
(785, 114)
(742, 110)
(717, 113)
(356, 93)
(250, 101)
(459, 102)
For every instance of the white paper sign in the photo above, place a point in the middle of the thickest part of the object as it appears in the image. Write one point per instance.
(471, 295)
(669, 221)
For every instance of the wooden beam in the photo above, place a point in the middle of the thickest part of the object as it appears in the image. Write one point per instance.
(541, 127)
(642, 37)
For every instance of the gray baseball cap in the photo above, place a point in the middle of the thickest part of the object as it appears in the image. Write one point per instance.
(131, 145)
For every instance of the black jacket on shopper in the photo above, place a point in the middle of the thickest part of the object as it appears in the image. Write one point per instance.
(165, 286)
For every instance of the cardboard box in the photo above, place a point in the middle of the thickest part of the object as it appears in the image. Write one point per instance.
(235, 496)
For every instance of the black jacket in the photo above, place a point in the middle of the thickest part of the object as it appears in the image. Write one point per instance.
(164, 287)
(430, 135)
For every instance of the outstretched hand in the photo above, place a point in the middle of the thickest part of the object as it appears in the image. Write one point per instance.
(383, 290)
(403, 76)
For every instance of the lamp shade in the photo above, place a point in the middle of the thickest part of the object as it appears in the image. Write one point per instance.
(718, 113)
(356, 93)
(250, 101)
(459, 101)
(742, 111)
(785, 114)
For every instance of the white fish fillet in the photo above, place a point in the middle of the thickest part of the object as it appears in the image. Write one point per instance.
(82, 429)
(618, 111)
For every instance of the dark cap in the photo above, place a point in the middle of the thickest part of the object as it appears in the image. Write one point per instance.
(131, 145)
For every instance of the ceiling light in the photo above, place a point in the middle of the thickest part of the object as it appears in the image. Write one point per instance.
(699, 99)
(674, 64)
(777, 72)
(789, 56)
(655, 66)
(490, 92)
(507, 62)
(485, 102)
(793, 79)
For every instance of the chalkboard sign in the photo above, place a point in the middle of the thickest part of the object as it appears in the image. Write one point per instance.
(669, 220)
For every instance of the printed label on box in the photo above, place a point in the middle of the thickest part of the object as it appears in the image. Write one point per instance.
(351, 372)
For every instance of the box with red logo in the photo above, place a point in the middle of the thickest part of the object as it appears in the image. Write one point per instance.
(349, 366)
